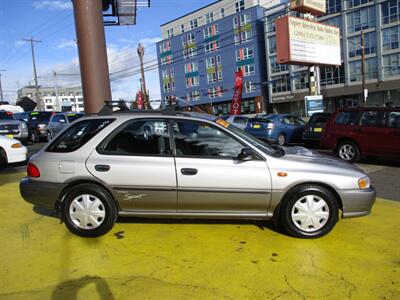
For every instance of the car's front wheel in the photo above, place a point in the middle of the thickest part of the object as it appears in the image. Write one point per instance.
(309, 211)
(89, 211)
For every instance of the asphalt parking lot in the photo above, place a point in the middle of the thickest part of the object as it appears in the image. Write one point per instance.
(170, 259)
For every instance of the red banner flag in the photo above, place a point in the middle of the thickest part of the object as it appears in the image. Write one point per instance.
(237, 94)
(140, 100)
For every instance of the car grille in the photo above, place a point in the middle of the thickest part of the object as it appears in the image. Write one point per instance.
(9, 128)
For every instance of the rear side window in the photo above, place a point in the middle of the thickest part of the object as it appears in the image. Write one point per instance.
(372, 118)
(394, 119)
(78, 135)
(347, 117)
(240, 120)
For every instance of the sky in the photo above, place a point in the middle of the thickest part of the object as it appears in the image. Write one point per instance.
(52, 22)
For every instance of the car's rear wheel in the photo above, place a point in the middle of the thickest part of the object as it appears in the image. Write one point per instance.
(89, 211)
(281, 139)
(3, 158)
(348, 151)
(309, 211)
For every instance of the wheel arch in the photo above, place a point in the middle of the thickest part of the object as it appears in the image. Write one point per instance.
(348, 139)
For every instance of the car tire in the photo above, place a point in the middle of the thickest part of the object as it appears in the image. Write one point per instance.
(281, 139)
(348, 151)
(3, 158)
(33, 137)
(93, 204)
(308, 211)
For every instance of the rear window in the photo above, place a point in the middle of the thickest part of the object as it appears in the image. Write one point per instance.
(319, 118)
(40, 116)
(240, 120)
(78, 135)
(347, 117)
(260, 120)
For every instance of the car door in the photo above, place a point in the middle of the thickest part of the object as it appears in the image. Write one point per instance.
(211, 180)
(136, 161)
(370, 132)
(393, 133)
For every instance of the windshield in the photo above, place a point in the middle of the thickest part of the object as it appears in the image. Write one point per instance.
(73, 117)
(5, 115)
(270, 150)
(40, 116)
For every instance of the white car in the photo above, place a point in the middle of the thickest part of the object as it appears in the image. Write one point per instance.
(11, 151)
(238, 121)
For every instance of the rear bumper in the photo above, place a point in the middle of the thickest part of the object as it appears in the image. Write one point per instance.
(43, 194)
(357, 203)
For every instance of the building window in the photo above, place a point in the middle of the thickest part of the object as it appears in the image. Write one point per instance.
(214, 76)
(243, 37)
(166, 60)
(301, 80)
(249, 87)
(390, 11)
(369, 44)
(210, 31)
(241, 20)
(222, 12)
(391, 64)
(336, 21)
(272, 44)
(239, 6)
(281, 84)
(170, 32)
(210, 61)
(215, 92)
(275, 67)
(361, 19)
(193, 96)
(169, 86)
(271, 20)
(189, 45)
(391, 38)
(333, 6)
(165, 46)
(247, 69)
(371, 69)
(192, 81)
(332, 75)
(191, 67)
(245, 53)
(211, 46)
(209, 17)
(183, 28)
(193, 24)
(167, 73)
(352, 3)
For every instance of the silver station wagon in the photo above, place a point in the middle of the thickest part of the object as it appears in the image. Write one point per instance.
(185, 165)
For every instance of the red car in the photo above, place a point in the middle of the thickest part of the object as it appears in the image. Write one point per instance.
(363, 131)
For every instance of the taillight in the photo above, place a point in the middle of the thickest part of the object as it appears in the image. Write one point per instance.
(32, 170)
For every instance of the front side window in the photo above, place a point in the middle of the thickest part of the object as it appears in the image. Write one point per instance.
(78, 135)
(139, 137)
(204, 140)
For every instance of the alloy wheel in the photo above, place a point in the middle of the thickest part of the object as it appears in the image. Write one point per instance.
(347, 152)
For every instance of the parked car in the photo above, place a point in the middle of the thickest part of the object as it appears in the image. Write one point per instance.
(238, 121)
(191, 166)
(368, 131)
(11, 151)
(13, 128)
(37, 122)
(314, 128)
(280, 128)
(60, 121)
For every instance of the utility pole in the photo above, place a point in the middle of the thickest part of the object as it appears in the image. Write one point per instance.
(92, 54)
(56, 91)
(1, 87)
(364, 91)
(38, 101)
(140, 51)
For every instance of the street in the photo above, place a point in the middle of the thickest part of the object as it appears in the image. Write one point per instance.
(198, 259)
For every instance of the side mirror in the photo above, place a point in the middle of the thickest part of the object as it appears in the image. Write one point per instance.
(246, 154)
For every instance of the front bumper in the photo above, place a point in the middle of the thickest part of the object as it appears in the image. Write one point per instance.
(43, 194)
(357, 203)
(17, 155)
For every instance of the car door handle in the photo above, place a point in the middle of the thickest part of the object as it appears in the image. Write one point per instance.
(102, 168)
(189, 171)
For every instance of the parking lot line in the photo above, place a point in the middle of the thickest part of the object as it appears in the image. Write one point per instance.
(172, 259)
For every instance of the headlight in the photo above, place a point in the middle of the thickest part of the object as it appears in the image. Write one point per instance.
(364, 183)
(23, 126)
(42, 127)
(16, 145)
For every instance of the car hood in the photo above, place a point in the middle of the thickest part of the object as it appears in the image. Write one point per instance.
(306, 156)
(10, 122)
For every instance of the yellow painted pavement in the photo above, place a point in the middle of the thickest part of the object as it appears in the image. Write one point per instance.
(164, 259)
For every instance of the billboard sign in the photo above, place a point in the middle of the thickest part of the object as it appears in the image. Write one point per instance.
(314, 104)
(304, 42)
(315, 7)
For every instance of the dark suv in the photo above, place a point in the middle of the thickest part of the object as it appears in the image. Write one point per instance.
(37, 122)
(368, 131)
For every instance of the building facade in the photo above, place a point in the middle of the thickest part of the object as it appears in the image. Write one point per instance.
(341, 86)
(201, 52)
(65, 99)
